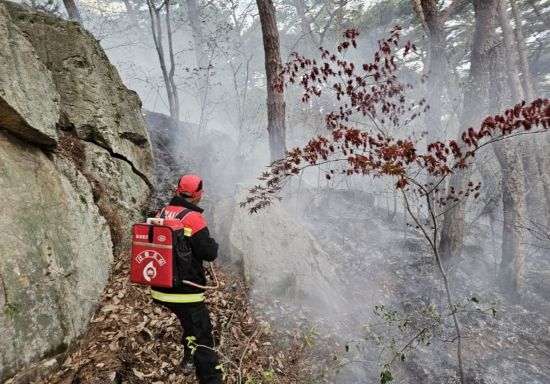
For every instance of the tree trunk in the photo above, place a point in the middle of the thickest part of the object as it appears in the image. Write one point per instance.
(523, 52)
(72, 10)
(437, 67)
(420, 13)
(275, 99)
(241, 100)
(537, 165)
(339, 18)
(511, 274)
(509, 155)
(198, 39)
(176, 107)
(511, 53)
(132, 14)
(168, 75)
(440, 76)
(475, 109)
(203, 61)
(307, 32)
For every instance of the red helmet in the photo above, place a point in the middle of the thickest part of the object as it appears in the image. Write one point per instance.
(190, 186)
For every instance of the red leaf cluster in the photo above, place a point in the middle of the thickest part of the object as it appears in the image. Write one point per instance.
(372, 91)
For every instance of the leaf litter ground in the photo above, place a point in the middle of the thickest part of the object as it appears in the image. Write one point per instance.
(132, 340)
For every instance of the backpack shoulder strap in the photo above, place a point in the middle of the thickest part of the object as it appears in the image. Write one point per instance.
(183, 213)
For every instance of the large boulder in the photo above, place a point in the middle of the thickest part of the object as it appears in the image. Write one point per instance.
(75, 169)
(28, 97)
(93, 99)
(280, 257)
(54, 257)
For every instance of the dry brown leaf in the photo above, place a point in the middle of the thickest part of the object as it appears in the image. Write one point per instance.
(138, 373)
(114, 346)
(109, 308)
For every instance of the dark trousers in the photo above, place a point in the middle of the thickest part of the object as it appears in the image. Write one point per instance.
(195, 320)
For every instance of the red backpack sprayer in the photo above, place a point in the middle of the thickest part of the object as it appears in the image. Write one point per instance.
(161, 255)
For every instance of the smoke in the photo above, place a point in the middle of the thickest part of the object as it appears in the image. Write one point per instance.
(359, 222)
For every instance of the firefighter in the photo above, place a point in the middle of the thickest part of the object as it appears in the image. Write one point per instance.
(186, 301)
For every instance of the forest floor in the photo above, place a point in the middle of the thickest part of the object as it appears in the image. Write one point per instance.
(132, 340)
(387, 263)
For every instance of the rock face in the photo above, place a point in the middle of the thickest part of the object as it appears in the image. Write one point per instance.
(280, 257)
(75, 168)
(28, 97)
(92, 98)
(55, 256)
(169, 165)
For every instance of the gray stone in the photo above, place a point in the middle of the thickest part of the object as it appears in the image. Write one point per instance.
(93, 98)
(280, 257)
(28, 97)
(55, 254)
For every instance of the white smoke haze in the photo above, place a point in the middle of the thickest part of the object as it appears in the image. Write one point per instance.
(375, 256)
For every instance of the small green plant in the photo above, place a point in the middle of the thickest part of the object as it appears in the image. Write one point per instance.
(385, 374)
(220, 367)
(191, 344)
(266, 329)
(309, 338)
(268, 374)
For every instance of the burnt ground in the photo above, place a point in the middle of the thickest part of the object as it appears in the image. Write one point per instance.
(385, 262)
(131, 340)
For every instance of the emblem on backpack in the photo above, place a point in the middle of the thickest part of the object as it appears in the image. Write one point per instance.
(149, 272)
